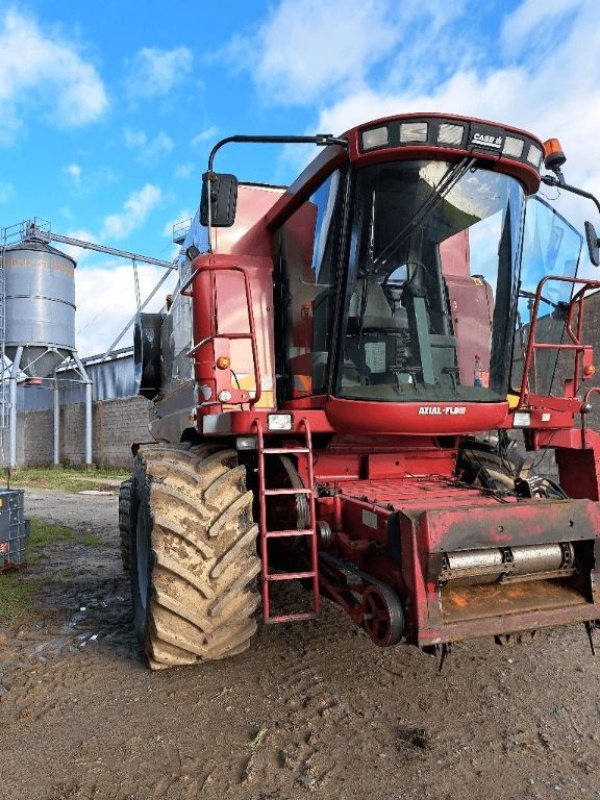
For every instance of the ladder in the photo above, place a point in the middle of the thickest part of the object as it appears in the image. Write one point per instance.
(266, 535)
(4, 399)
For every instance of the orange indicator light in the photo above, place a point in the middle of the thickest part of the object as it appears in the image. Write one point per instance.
(553, 154)
(223, 362)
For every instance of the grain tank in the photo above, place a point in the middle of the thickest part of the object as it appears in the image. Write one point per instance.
(40, 306)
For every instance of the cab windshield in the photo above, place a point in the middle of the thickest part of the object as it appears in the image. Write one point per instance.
(431, 296)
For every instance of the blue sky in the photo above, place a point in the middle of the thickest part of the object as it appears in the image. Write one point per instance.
(108, 110)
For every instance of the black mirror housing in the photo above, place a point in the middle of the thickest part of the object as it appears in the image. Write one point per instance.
(223, 193)
(593, 243)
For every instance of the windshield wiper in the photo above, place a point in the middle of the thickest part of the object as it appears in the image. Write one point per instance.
(450, 178)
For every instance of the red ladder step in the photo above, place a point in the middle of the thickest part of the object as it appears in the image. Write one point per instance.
(298, 617)
(272, 492)
(289, 576)
(286, 534)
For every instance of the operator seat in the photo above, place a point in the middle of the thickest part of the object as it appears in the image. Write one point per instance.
(368, 357)
(377, 311)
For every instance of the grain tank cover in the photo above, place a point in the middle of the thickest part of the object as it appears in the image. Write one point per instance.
(40, 305)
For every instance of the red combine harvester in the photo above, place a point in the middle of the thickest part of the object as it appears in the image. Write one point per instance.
(335, 382)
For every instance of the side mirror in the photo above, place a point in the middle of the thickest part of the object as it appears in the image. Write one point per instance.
(223, 190)
(593, 243)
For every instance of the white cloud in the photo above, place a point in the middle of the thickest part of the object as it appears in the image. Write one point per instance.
(204, 136)
(535, 24)
(43, 70)
(306, 46)
(135, 211)
(105, 298)
(185, 170)
(148, 150)
(7, 191)
(154, 72)
(307, 49)
(73, 172)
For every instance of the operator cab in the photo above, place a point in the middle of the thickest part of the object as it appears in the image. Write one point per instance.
(419, 301)
(397, 279)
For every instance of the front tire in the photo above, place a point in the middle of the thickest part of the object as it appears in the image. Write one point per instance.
(193, 554)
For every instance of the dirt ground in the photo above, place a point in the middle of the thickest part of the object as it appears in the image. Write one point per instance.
(313, 710)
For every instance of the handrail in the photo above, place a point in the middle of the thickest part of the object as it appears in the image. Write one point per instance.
(576, 344)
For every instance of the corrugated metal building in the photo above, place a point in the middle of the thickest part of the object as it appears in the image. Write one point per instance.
(112, 378)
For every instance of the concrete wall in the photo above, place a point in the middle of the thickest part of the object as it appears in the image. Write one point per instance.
(116, 425)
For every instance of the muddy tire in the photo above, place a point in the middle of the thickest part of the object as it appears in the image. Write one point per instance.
(193, 554)
(124, 521)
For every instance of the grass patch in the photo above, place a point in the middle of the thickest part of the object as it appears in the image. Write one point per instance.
(15, 595)
(17, 589)
(89, 540)
(42, 533)
(69, 479)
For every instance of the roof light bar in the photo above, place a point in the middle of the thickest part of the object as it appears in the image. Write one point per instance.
(479, 138)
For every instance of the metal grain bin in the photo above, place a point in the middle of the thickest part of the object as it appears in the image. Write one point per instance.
(40, 306)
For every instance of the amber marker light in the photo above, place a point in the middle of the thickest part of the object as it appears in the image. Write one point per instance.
(589, 371)
(554, 155)
(223, 362)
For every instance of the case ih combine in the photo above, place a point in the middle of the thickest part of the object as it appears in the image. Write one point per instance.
(335, 382)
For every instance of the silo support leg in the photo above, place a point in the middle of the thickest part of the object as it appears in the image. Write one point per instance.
(12, 421)
(88, 424)
(56, 425)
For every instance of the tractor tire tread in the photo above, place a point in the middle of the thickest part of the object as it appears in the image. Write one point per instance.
(203, 589)
(124, 521)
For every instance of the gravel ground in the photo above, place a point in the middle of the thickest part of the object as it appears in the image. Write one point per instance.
(312, 710)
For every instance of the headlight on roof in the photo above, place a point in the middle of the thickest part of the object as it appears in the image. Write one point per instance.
(451, 134)
(375, 137)
(413, 132)
(513, 147)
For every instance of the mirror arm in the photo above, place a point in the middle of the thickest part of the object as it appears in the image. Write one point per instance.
(550, 180)
(321, 139)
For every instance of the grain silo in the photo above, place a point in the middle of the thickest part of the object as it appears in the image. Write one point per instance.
(39, 287)
(38, 299)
